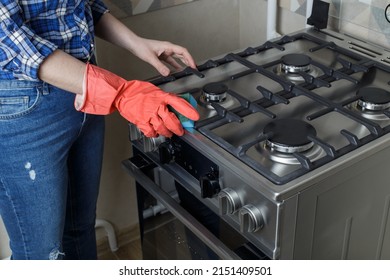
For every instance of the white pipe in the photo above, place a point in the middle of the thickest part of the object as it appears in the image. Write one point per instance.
(309, 7)
(272, 9)
(153, 211)
(110, 233)
(158, 208)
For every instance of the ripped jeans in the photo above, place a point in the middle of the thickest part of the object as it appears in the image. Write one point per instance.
(50, 164)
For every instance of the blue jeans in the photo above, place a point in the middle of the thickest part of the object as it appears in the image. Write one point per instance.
(50, 164)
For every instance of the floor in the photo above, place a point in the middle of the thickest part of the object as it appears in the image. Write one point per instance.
(164, 238)
(160, 226)
(130, 251)
(128, 243)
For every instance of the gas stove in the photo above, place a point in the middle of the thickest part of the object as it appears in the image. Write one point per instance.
(287, 107)
(293, 116)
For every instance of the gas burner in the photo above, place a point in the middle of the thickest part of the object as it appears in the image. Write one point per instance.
(373, 99)
(289, 135)
(293, 64)
(313, 154)
(215, 93)
(372, 103)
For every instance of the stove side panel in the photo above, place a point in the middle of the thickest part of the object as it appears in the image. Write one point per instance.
(347, 216)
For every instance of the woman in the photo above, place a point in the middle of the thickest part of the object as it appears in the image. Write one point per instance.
(52, 102)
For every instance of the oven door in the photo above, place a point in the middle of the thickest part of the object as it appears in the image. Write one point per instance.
(184, 228)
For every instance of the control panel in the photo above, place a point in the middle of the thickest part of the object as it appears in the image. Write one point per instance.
(196, 164)
(229, 201)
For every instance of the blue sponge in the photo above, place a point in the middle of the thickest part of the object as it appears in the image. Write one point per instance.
(186, 122)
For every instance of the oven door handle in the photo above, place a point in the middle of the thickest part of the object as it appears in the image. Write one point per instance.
(180, 213)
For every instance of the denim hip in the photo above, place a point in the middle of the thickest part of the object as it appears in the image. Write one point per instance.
(50, 163)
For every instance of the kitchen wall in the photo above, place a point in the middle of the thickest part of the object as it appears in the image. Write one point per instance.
(364, 19)
(126, 8)
(253, 21)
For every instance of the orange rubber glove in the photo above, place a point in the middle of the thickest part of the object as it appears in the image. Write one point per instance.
(141, 103)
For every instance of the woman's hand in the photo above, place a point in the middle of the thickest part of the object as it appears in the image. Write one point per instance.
(139, 102)
(156, 52)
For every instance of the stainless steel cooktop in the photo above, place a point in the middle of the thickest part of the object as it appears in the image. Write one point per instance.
(291, 105)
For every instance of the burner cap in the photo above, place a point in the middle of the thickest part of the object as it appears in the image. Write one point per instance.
(289, 135)
(294, 63)
(374, 99)
(215, 92)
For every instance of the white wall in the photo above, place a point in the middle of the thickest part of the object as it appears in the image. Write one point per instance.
(252, 22)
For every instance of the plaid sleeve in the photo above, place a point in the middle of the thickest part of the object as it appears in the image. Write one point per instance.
(98, 9)
(21, 51)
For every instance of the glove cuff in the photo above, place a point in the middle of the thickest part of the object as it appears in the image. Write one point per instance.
(100, 89)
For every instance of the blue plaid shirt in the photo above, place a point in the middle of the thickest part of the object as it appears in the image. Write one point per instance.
(31, 30)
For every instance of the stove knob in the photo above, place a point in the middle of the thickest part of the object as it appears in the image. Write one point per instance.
(168, 151)
(152, 144)
(209, 185)
(251, 218)
(134, 132)
(229, 201)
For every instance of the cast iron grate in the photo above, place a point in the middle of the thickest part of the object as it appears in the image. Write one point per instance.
(267, 98)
